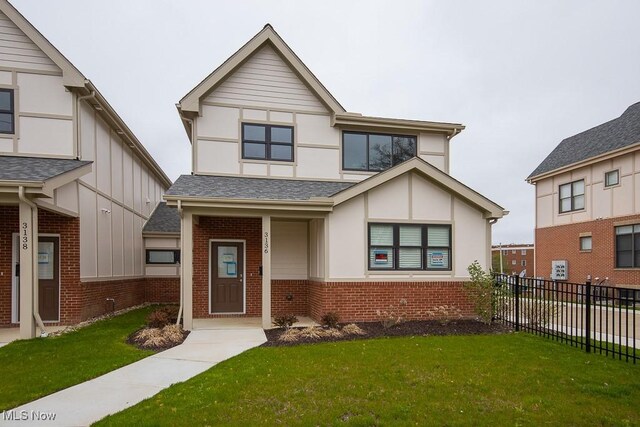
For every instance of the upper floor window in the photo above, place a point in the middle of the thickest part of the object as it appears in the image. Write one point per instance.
(572, 196)
(375, 152)
(523, 252)
(267, 142)
(612, 178)
(163, 256)
(409, 247)
(628, 246)
(7, 114)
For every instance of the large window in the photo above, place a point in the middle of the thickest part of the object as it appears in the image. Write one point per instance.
(267, 142)
(375, 152)
(409, 247)
(572, 196)
(163, 256)
(628, 246)
(7, 116)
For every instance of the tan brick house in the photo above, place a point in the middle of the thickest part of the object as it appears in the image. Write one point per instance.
(295, 205)
(76, 187)
(588, 204)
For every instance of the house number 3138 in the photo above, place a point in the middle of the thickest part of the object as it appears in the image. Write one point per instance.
(25, 236)
(266, 242)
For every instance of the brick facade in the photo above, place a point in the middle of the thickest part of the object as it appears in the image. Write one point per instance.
(513, 261)
(78, 300)
(562, 242)
(290, 297)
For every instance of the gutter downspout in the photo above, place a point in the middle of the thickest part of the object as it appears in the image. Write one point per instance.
(34, 248)
(79, 99)
(181, 264)
(454, 133)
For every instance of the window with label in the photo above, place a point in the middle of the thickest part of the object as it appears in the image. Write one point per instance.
(572, 196)
(267, 142)
(612, 178)
(7, 113)
(628, 246)
(163, 256)
(375, 152)
(409, 247)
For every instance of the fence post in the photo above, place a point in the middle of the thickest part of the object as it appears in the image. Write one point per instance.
(587, 317)
(517, 293)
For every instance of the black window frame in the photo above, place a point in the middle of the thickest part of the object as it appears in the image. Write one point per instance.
(606, 174)
(368, 134)
(10, 111)
(424, 247)
(176, 256)
(635, 246)
(267, 142)
(572, 196)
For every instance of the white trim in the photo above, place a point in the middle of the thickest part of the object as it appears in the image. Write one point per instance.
(244, 274)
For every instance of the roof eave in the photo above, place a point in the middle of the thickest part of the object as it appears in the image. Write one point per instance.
(358, 121)
(314, 204)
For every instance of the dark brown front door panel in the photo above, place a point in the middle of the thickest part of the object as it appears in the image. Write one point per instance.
(49, 278)
(227, 277)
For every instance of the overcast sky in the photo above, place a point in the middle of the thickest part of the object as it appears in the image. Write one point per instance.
(521, 75)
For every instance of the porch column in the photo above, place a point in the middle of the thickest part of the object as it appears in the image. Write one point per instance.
(186, 251)
(266, 271)
(28, 241)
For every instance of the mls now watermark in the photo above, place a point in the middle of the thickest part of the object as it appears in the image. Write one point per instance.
(25, 415)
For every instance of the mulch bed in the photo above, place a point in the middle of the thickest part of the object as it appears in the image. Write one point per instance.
(131, 339)
(405, 329)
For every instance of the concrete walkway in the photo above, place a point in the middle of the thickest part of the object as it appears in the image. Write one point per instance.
(93, 400)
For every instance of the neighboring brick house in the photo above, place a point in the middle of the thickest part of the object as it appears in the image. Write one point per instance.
(516, 258)
(295, 205)
(588, 204)
(76, 187)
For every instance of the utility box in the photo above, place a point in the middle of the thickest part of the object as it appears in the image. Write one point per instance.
(559, 269)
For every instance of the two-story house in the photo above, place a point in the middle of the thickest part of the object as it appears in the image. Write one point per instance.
(588, 204)
(76, 187)
(296, 206)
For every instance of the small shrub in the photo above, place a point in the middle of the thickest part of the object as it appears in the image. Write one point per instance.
(172, 312)
(353, 329)
(445, 313)
(169, 335)
(330, 320)
(158, 319)
(332, 333)
(311, 332)
(393, 316)
(290, 335)
(285, 321)
(480, 290)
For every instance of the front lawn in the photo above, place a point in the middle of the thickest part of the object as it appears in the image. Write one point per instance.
(509, 379)
(34, 368)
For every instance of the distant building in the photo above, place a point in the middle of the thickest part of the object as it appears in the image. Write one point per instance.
(516, 258)
(588, 204)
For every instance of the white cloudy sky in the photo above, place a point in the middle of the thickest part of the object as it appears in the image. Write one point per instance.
(521, 75)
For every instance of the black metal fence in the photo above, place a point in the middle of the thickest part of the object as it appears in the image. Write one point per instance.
(602, 319)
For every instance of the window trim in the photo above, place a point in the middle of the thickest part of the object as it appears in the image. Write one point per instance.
(572, 196)
(424, 247)
(11, 111)
(267, 142)
(368, 134)
(617, 171)
(580, 248)
(633, 235)
(176, 256)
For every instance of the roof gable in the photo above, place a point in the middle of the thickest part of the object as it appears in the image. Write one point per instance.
(71, 76)
(266, 37)
(431, 173)
(612, 136)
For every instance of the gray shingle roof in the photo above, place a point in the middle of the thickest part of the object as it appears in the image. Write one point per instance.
(253, 188)
(13, 168)
(164, 219)
(613, 135)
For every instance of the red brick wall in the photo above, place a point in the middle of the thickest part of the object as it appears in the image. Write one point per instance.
(95, 295)
(359, 301)
(8, 225)
(508, 257)
(299, 292)
(563, 242)
(248, 229)
(162, 289)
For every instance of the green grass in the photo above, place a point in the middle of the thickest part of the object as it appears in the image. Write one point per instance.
(34, 368)
(513, 379)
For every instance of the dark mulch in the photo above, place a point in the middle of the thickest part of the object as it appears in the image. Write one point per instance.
(131, 339)
(410, 328)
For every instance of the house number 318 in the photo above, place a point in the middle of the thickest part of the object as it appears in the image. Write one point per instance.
(25, 236)
(266, 242)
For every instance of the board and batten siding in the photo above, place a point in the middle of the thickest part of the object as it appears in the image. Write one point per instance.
(415, 200)
(116, 199)
(289, 256)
